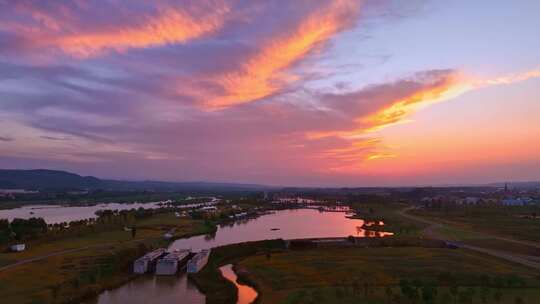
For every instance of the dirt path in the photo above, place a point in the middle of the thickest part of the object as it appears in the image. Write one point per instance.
(46, 256)
(431, 232)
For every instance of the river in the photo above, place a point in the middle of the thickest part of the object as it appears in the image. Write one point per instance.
(286, 224)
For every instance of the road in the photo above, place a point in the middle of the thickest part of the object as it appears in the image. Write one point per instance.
(431, 232)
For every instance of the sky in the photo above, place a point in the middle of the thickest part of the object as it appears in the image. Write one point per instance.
(293, 93)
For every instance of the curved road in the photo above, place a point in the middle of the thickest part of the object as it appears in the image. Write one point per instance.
(430, 231)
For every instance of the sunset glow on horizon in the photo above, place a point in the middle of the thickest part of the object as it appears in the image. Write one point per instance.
(300, 93)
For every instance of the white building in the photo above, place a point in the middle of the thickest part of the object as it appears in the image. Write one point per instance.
(147, 263)
(470, 200)
(169, 264)
(17, 247)
(520, 201)
(198, 261)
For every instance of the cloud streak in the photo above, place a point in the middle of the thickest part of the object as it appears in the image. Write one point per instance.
(227, 89)
(265, 73)
(61, 25)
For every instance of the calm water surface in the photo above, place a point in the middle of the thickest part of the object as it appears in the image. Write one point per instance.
(300, 223)
(57, 214)
(246, 294)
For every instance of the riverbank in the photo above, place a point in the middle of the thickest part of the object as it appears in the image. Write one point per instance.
(104, 264)
(219, 290)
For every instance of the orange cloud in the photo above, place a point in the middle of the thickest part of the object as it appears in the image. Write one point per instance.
(65, 30)
(398, 111)
(265, 74)
(169, 27)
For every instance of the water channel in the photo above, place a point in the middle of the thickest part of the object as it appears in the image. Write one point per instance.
(286, 224)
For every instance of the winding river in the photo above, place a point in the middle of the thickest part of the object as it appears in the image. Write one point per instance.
(286, 224)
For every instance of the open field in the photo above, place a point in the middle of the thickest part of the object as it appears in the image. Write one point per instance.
(510, 222)
(153, 227)
(349, 275)
(104, 262)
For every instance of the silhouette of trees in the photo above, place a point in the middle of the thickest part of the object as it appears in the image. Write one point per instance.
(27, 229)
(429, 293)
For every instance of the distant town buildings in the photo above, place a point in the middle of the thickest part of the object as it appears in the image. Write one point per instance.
(442, 200)
(520, 201)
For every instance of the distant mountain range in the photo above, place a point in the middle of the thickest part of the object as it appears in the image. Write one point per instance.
(42, 179)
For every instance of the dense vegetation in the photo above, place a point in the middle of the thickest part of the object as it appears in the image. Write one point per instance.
(36, 228)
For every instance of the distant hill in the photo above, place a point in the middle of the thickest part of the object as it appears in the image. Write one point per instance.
(46, 179)
(42, 179)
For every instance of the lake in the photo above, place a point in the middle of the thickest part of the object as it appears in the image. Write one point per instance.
(57, 213)
(286, 224)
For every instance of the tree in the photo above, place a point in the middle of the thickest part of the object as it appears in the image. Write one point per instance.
(484, 294)
(429, 292)
(5, 231)
(408, 290)
(497, 296)
(454, 291)
(388, 291)
(133, 232)
(27, 229)
(465, 297)
(518, 300)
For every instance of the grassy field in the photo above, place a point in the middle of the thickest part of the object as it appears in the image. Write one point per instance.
(497, 220)
(153, 227)
(372, 275)
(68, 277)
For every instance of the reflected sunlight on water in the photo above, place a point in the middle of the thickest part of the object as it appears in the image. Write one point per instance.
(246, 294)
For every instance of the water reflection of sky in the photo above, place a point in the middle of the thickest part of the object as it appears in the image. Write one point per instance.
(59, 214)
(296, 223)
(246, 294)
(292, 224)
